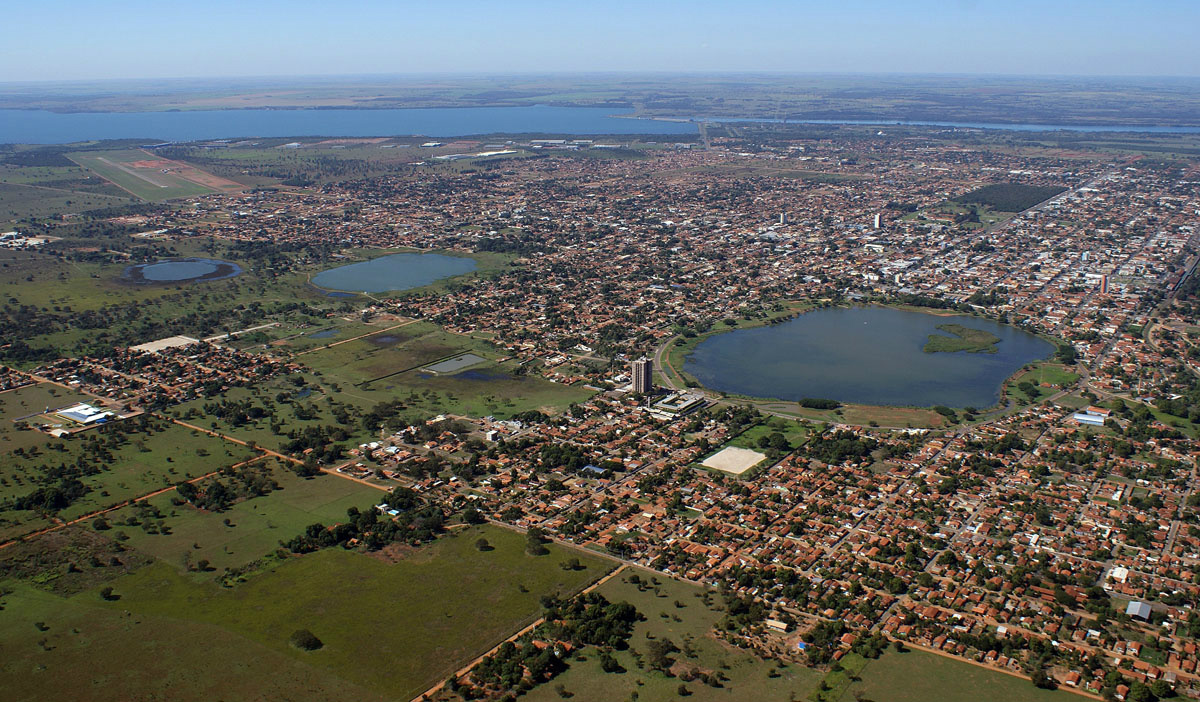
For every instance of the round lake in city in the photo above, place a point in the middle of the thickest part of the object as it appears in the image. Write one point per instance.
(181, 270)
(864, 355)
(395, 272)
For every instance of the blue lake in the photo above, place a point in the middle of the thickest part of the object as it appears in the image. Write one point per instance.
(863, 355)
(181, 270)
(1015, 127)
(41, 127)
(395, 272)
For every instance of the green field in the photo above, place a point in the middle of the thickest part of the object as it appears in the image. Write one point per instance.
(388, 365)
(794, 433)
(917, 676)
(141, 462)
(149, 184)
(1009, 197)
(250, 529)
(748, 676)
(389, 629)
(96, 653)
(25, 201)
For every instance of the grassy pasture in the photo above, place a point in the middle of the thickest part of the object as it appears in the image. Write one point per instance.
(393, 628)
(88, 652)
(25, 201)
(144, 462)
(249, 529)
(916, 676)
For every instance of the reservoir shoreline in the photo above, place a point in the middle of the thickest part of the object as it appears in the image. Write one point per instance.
(977, 384)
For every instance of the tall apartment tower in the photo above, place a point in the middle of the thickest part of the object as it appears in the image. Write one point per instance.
(876, 220)
(783, 217)
(643, 376)
(1103, 285)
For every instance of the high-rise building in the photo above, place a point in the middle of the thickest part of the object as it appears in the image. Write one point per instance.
(643, 376)
(1103, 285)
(876, 220)
(783, 217)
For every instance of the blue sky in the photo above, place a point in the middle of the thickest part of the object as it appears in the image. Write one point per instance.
(78, 40)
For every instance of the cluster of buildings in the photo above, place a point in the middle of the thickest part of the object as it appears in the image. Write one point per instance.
(1024, 540)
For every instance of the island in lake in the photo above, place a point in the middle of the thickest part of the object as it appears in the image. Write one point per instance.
(963, 339)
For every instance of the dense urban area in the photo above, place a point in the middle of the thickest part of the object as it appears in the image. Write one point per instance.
(1052, 538)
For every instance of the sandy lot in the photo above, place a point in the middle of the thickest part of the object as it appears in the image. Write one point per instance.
(733, 460)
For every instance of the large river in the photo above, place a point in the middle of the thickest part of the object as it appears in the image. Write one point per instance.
(40, 127)
(863, 355)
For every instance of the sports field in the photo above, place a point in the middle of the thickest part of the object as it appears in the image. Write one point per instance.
(151, 177)
(390, 630)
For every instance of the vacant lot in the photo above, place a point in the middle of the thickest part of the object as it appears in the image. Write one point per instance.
(733, 459)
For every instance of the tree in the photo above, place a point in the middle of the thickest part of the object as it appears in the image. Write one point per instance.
(535, 542)
(658, 653)
(483, 545)
(305, 640)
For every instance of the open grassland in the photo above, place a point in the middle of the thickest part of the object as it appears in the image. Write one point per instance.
(390, 628)
(19, 202)
(133, 462)
(279, 417)
(58, 648)
(247, 531)
(677, 611)
(389, 366)
(1043, 378)
(918, 676)
(863, 415)
(149, 176)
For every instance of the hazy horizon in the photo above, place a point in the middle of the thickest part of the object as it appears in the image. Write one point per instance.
(227, 40)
